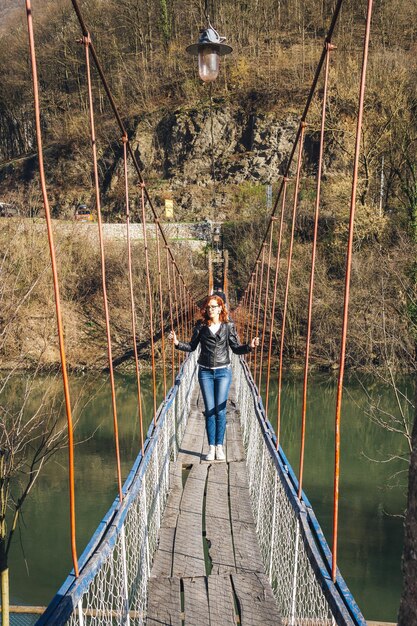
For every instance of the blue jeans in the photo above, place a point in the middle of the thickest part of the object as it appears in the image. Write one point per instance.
(215, 385)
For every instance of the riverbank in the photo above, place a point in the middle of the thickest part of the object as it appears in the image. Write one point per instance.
(28, 336)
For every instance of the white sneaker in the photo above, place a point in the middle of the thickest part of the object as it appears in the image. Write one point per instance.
(211, 454)
(220, 456)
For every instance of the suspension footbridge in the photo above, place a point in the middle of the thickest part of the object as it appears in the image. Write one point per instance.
(195, 542)
(188, 541)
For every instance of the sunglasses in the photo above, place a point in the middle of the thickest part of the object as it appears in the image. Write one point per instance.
(214, 306)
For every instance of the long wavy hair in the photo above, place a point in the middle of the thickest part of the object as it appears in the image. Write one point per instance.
(204, 311)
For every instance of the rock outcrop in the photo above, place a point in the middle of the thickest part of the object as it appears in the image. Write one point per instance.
(188, 152)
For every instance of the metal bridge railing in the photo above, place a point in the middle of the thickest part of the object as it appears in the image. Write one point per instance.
(115, 566)
(296, 556)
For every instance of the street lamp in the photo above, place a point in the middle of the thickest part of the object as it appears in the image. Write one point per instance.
(216, 237)
(209, 48)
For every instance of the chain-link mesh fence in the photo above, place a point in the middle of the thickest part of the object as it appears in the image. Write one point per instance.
(298, 575)
(112, 586)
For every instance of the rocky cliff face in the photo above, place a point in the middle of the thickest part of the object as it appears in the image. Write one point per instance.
(214, 163)
(180, 151)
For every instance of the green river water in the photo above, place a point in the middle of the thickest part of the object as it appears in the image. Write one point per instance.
(372, 495)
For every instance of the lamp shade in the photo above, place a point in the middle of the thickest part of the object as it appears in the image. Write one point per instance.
(209, 48)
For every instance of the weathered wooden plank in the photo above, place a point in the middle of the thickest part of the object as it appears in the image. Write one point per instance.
(188, 546)
(193, 494)
(221, 603)
(162, 563)
(205, 445)
(233, 546)
(191, 447)
(195, 398)
(240, 506)
(246, 548)
(255, 599)
(196, 608)
(164, 602)
(247, 553)
(235, 451)
(172, 507)
(218, 528)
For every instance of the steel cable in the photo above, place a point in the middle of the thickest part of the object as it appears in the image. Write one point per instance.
(313, 263)
(161, 306)
(60, 329)
(274, 292)
(287, 284)
(132, 298)
(149, 288)
(86, 42)
(266, 302)
(259, 308)
(347, 290)
(171, 316)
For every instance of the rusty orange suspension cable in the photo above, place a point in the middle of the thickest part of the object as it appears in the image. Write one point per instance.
(252, 312)
(186, 312)
(239, 311)
(313, 264)
(181, 292)
(182, 311)
(252, 285)
(161, 306)
(287, 284)
(149, 288)
(226, 275)
(210, 272)
(118, 117)
(347, 290)
(177, 317)
(274, 292)
(259, 308)
(56, 290)
(310, 96)
(189, 312)
(245, 312)
(271, 236)
(180, 315)
(247, 321)
(171, 316)
(132, 298)
(186, 316)
(86, 42)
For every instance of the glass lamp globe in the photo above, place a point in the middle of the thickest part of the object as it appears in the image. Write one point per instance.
(208, 63)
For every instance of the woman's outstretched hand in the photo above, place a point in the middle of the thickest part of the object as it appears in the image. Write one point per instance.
(173, 336)
(254, 342)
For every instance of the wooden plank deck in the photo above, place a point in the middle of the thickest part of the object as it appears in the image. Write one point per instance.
(208, 570)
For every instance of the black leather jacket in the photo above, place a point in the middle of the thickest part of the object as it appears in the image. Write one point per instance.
(214, 348)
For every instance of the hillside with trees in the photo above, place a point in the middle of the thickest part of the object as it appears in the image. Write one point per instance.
(257, 101)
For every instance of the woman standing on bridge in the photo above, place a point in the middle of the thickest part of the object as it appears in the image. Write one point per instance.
(215, 334)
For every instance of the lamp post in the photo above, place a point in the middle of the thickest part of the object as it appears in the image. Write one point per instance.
(216, 238)
(209, 48)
